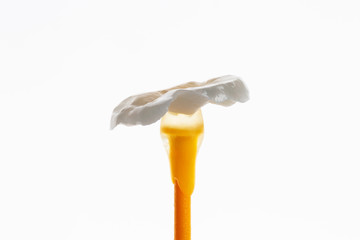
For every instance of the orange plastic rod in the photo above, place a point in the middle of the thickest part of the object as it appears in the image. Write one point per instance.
(182, 214)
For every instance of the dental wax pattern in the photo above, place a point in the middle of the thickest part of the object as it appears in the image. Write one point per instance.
(181, 129)
(147, 108)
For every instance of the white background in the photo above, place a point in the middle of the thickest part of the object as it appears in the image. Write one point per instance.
(285, 165)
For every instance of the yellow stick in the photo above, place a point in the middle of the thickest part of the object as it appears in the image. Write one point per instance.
(182, 136)
(182, 216)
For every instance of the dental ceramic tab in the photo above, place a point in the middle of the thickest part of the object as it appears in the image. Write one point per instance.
(147, 108)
